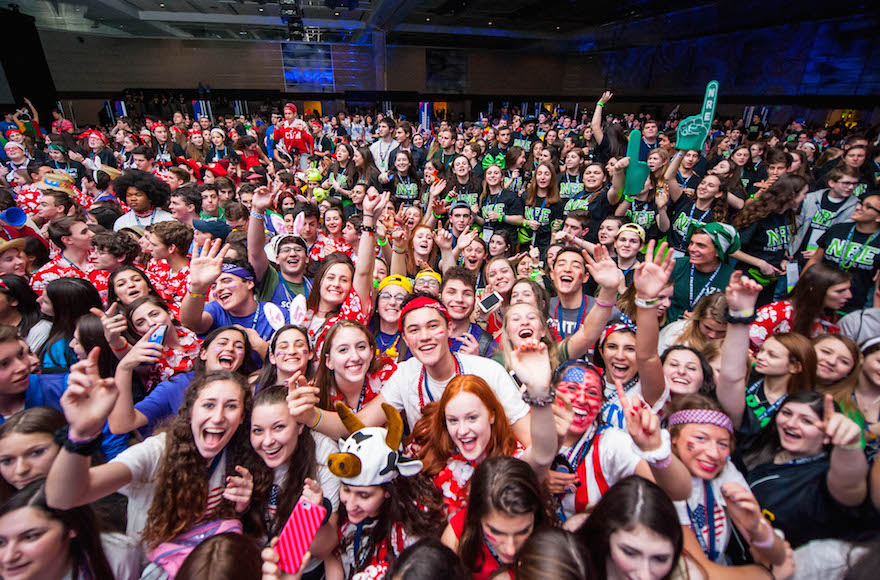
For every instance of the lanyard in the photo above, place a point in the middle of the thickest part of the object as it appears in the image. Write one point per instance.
(492, 550)
(152, 217)
(385, 346)
(771, 409)
(702, 217)
(706, 286)
(697, 525)
(805, 460)
(576, 454)
(578, 320)
(537, 218)
(843, 264)
(72, 265)
(423, 380)
(867, 421)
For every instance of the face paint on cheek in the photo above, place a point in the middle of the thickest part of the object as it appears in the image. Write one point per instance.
(690, 446)
(439, 333)
(490, 537)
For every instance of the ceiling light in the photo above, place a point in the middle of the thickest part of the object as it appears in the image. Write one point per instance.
(162, 5)
(336, 14)
(261, 9)
(490, 23)
(427, 20)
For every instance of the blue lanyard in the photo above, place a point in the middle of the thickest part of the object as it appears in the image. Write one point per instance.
(152, 218)
(707, 285)
(769, 410)
(578, 321)
(711, 551)
(805, 460)
(849, 237)
(424, 380)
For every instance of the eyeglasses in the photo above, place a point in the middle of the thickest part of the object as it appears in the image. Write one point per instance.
(430, 283)
(870, 207)
(848, 184)
(391, 297)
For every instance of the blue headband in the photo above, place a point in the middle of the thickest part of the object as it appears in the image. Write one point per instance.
(237, 271)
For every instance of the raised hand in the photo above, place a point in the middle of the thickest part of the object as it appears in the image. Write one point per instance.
(652, 275)
(742, 293)
(641, 422)
(437, 188)
(239, 488)
(263, 199)
(662, 198)
(692, 131)
(206, 265)
(438, 206)
(114, 325)
(88, 399)
(840, 430)
(302, 398)
(606, 96)
(531, 363)
(637, 172)
(466, 239)
(374, 200)
(603, 270)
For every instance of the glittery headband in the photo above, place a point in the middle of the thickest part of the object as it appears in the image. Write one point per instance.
(702, 417)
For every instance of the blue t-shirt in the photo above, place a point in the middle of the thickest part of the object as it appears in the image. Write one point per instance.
(46, 391)
(163, 401)
(265, 320)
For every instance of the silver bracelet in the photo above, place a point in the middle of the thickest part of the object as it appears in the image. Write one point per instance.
(257, 215)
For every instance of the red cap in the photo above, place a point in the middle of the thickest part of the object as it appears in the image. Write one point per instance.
(290, 106)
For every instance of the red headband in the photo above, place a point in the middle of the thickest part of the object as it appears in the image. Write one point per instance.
(422, 302)
(290, 106)
(97, 134)
(611, 329)
(195, 132)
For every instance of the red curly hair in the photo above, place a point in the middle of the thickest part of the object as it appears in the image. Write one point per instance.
(431, 434)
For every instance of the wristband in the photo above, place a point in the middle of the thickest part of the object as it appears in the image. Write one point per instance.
(741, 313)
(257, 215)
(851, 446)
(194, 295)
(539, 401)
(85, 448)
(396, 251)
(124, 348)
(328, 505)
(600, 104)
(382, 242)
(647, 303)
(659, 458)
(605, 304)
(368, 229)
(768, 542)
(318, 422)
(731, 319)
(500, 218)
(438, 217)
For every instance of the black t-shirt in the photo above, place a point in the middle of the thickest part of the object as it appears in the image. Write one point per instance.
(796, 498)
(404, 189)
(689, 183)
(597, 204)
(525, 141)
(545, 214)
(569, 185)
(505, 202)
(602, 151)
(755, 130)
(682, 214)
(468, 192)
(855, 252)
(767, 239)
(644, 213)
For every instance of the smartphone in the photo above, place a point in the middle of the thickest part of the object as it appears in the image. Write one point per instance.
(158, 337)
(298, 533)
(490, 302)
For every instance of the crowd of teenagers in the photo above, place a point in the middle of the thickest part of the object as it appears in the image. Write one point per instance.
(477, 350)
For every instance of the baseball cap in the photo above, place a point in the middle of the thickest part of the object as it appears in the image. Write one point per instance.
(216, 227)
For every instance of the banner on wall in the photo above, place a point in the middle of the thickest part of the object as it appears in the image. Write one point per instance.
(425, 116)
(307, 67)
(314, 106)
(440, 109)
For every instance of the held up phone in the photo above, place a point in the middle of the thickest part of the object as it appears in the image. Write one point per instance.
(298, 533)
(490, 302)
(158, 337)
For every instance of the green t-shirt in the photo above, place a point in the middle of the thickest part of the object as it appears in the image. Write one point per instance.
(704, 283)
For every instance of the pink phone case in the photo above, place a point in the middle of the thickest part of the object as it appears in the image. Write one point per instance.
(298, 533)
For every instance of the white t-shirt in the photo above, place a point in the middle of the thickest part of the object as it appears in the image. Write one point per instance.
(616, 458)
(144, 460)
(401, 391)
(669, 335)
(130, 220)
(697, 501)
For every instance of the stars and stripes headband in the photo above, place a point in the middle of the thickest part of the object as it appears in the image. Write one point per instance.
(702, 417)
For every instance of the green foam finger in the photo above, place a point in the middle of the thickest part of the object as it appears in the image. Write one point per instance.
(634, 145)
(693, 131)
(637, 171)
(710, 103)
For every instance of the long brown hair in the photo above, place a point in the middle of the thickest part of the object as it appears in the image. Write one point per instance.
(552, 190)
(714, 307)
(507, 485)
(325, 379)
(808, 296)
(772, 200)
(302, 464)
(314, 299)
(411, 266)
(437, 446)
(182, 482)
(800, 351)
(842, 389)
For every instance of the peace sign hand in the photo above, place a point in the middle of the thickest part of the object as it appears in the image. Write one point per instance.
(693, 131)
(114, 325)
(206, 265)
(641, 422)
(840, 430)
